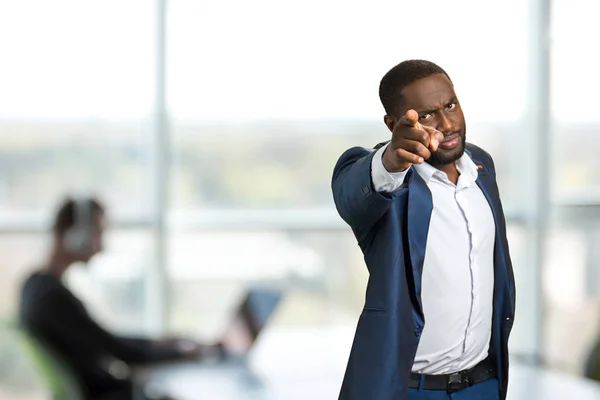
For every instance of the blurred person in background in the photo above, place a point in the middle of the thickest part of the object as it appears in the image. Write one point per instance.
(426, 212)
(51, 313)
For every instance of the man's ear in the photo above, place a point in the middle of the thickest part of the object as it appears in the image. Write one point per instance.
(390, 122)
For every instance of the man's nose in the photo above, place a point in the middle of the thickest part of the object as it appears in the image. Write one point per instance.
(445, 125)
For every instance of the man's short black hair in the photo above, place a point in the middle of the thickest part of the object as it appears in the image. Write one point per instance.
(402, 75)
(65, 216)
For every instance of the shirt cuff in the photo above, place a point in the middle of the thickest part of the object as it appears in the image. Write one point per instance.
(384, 181)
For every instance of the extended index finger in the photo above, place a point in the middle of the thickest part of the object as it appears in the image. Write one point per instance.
(411, 118)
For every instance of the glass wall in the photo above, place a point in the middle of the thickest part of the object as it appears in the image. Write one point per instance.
(571, 275)
(264, 100)
(261, 99)
(76, 103)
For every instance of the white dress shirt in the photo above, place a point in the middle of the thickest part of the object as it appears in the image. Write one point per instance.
(457, 284)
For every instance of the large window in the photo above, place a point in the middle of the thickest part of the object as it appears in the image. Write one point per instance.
(571, 279)
(576, 127)
(264, 100)
(76, 97)
(260, 100)
(75, 118)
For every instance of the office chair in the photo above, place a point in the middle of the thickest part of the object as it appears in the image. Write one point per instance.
(57, 374)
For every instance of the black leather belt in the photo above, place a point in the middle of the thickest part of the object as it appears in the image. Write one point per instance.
(457, 381)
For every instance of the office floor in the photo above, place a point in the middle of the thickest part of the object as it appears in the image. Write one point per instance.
(309, 364)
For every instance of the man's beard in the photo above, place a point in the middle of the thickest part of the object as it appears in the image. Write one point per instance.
(444, 157)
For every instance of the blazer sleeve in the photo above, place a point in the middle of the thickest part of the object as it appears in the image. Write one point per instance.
(356, 200)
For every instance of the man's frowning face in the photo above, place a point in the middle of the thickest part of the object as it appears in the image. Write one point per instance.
(433, 98)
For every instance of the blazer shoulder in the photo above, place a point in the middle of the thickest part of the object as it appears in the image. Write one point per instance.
(380, 145)
(360, 152)
(353, 154)
(357, 151)
(480, 155)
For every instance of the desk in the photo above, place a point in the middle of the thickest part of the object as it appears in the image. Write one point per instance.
(309, 364)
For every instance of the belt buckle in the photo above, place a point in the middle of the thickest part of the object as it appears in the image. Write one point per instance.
(456, 382)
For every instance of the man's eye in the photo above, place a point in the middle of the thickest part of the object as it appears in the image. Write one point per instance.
(425, 116)
(451, 106)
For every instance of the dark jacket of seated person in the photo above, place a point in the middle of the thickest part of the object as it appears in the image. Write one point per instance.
(50, 312)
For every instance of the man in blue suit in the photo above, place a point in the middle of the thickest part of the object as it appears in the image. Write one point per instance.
(426, 212)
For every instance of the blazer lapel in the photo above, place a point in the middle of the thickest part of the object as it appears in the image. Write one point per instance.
(487, 186)
(420, 206)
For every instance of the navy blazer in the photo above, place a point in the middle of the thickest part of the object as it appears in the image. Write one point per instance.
(391, 230)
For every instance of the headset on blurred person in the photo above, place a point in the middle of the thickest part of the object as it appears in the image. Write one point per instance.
(78, 238)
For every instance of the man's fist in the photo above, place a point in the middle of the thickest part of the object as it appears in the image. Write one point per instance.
(412, 143)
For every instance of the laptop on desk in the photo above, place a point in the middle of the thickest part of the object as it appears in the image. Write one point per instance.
(224, 365)
(248, 322)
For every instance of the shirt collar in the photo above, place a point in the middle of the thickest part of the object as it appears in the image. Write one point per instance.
(465, 165)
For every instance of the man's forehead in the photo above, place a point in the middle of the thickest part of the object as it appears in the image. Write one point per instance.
(428, 91)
